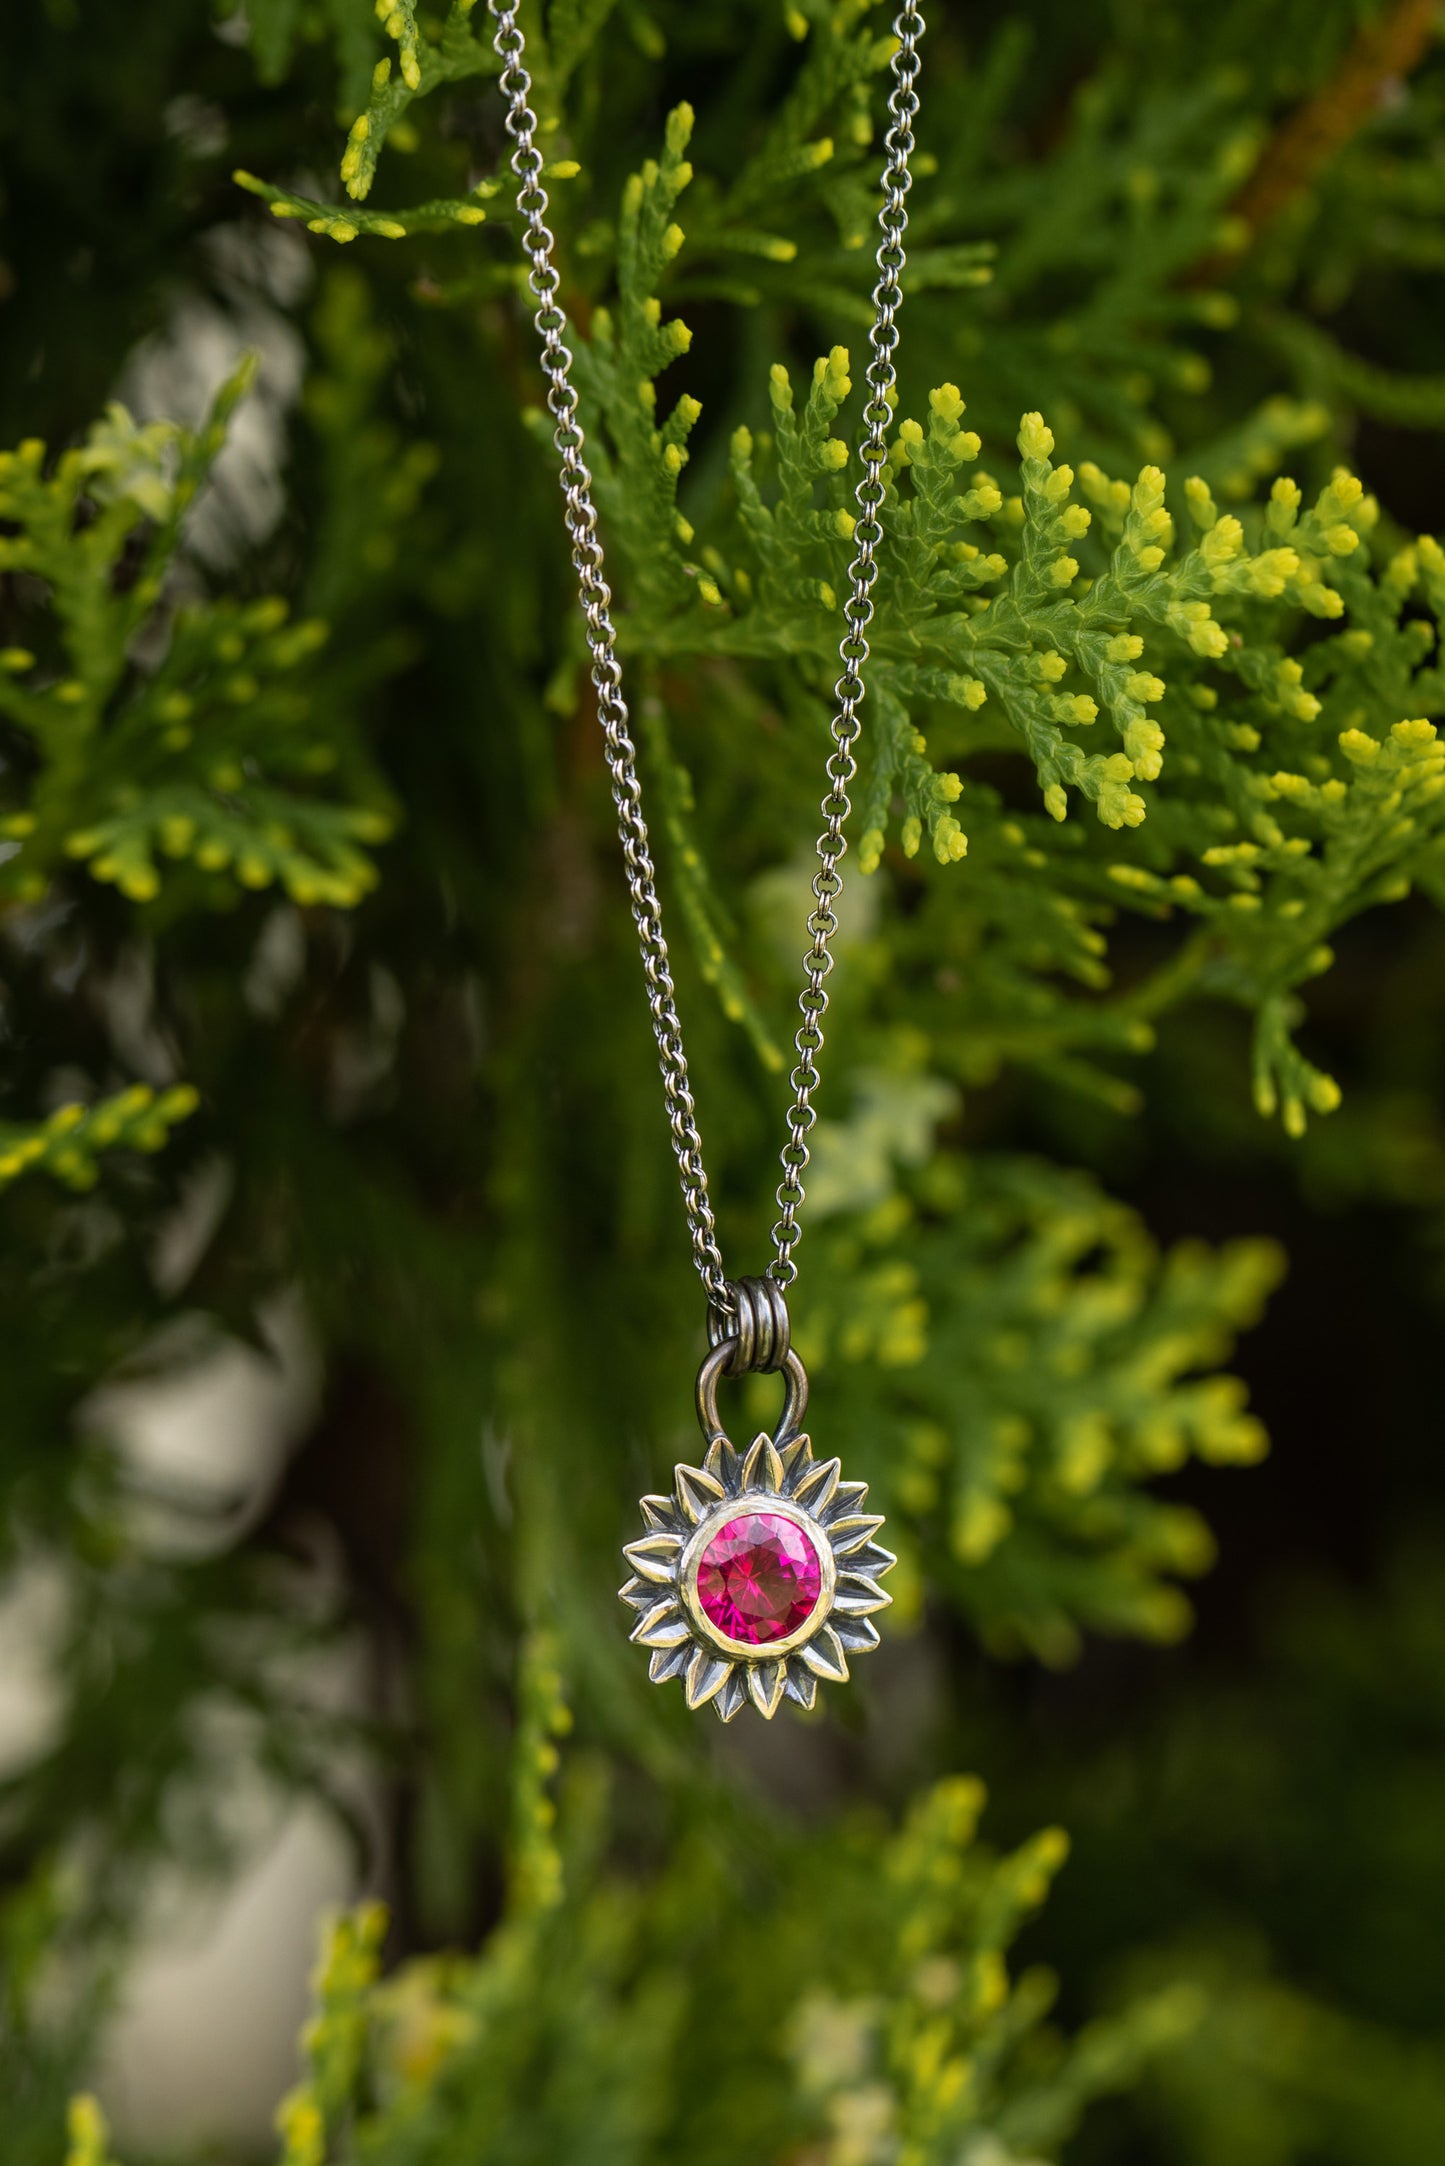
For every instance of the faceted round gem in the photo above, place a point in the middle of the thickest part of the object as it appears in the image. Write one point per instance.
(759, 1578)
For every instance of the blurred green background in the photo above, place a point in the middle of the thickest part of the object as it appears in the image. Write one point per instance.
(340, 1333)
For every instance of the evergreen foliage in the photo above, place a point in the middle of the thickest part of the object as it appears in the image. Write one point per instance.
(317, 1000)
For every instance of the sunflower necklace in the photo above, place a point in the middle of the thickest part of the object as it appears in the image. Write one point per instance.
(757, 1575)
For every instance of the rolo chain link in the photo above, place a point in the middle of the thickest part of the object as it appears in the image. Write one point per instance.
(596, 596)
(853, 650)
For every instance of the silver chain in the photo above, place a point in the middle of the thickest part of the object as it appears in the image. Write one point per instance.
(596, 596)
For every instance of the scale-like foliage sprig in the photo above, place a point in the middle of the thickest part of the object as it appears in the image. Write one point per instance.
(452, 54)
(1047, 1364)
(906, 2034)
(68, 1143)
(156, 735)
(952, 2058)
(1046, 613)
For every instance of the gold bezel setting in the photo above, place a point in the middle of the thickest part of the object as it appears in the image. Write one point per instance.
(742, 1507)
(786, 1480)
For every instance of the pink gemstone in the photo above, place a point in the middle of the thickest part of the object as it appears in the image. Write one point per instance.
(759, 1578)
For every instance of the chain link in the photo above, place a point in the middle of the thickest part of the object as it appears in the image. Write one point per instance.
(853, 649)
(596, 597)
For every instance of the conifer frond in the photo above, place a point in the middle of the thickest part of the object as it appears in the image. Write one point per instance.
(1046, 1364)
(1022, 614)
(69, 1142)
(344, 221)
(945, 2061)
(163, 736)
(428, 55)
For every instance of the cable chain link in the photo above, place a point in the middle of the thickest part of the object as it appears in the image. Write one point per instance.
(596, 596)
(853, 650)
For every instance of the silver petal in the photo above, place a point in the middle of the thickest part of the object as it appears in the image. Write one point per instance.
(655, 1556)
(722, 1463)
(856, 1634)
(734, 1695)
(660, 1512)
(853, 1531)
(638, 1593)
(765, 1686)
(763, 1469)
(860, 1599)
(846, 1499)
(861, 1583)
(706, 1675)
(797, 1457)
(669, 1662)
(662, 1626)
(815, 1486)
(825, 1657)
(697, 1492)
(873, 1559)
(800, 1685)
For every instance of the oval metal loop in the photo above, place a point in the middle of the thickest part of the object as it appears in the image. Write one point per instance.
(758, 1330)
(716, 1364)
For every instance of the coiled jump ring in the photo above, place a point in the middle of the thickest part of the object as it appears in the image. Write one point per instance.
(758, 1329)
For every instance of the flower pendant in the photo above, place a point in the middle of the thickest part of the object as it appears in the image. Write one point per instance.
(759, 1574)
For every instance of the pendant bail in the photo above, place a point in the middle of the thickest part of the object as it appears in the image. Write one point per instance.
(756, 1338)
(795, 1395)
